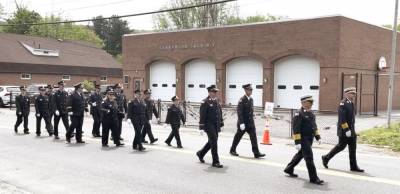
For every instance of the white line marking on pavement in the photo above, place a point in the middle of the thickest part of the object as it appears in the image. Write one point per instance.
(276, 164)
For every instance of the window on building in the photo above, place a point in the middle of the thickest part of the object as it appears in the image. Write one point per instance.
(25, 76)
(282, 87)
(164, 85)
(297, 87)
(191, 86)
(126, 79)
(155, 85)
(259, 86)
(103, 78)
(232, 86)
(174, 85)
(202, 86)
(314, 87)
(66, 77)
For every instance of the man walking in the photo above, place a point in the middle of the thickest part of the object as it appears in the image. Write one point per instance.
(150, 110)
(137, 114)
(110, 119)
(245, 123)
(76, 110)
(23, 108)
(346, 130)
(42, 107)
(61, 98)
(95, 101)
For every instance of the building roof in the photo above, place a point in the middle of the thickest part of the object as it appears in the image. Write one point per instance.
(20, 51)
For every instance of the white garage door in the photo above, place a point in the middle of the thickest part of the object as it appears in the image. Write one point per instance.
(242, 71)
(163, 80)
(199, 74)
(296, 76)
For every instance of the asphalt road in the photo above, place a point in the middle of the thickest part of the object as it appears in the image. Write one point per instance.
(42, 165)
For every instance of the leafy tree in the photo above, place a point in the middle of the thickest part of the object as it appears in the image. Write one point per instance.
(213, 15)
(22, 16)
(88, 85)
(111, 32)
(253, 19)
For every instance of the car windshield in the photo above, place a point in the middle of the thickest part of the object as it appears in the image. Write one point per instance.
(13, 89)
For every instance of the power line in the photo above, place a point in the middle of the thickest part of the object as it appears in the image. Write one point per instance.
(124, 16)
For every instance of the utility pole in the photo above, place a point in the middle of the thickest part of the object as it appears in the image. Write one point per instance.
(392, 66)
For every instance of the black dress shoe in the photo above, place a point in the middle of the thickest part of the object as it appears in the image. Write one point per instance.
(233, 153)
(26, 132)
(134, 147)
(290, 173)
(80, 141)
(259, 155)
(357, 169)
(200, 158)
(154, 140)
(56, 137)
(68, 140)
(120, 144)
(179, 146)
(38, 134)
(121, 139)
(15, 129)
(217, 165)
(142, 149)
(104, 145)
(144, 141)
(317, 182)
(325, 161)
(169, 144)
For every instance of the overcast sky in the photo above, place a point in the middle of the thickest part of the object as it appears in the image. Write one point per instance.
(371, 11)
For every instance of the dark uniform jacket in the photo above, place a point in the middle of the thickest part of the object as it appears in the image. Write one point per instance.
(42, 105)
(23, 105)
(122, 104)
(346, 118)
(175, 116)
(52, 102)
(245, 113)
(110, 111)
(150, 109)
(61, 99)
(95, 98)
(211, 115)
(77, 104)
(137, 111)
(304, 126)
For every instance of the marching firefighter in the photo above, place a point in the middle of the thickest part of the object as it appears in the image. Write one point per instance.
(304, 131)
(95, 101)
(61, 102)
(110, 119)
(346, 130)
(245, 123)
(42, 107)
(122, 107)
(174, 118)
(137, 114)
(211, 122)
(150, 110)
(23, 108)
(77, 108)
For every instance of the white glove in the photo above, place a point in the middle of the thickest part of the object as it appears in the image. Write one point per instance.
(57, 113)
(19, 113)
(70, 113)
(159, 119)
(165, 126)
(93, 104)
(319, 142)
(150, 121)
(37, 114)
(348, 134)
(242, 126)
(201, 132)
(298, 147)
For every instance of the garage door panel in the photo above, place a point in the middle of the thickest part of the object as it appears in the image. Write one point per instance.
(199, 74)
(294, 77)
(242, 71)
(163, 80)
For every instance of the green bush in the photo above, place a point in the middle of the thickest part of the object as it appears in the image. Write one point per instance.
(381, 136)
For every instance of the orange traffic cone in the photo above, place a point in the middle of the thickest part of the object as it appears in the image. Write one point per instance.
(266, 139)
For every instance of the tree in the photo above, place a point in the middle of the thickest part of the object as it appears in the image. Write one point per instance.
(22, 16)
(111, 32)
(253, 19)
(212, 15)
(88, 85)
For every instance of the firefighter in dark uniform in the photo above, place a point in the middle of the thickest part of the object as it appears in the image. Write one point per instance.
(23, 108)
(122, 107)
(42, 107)
(245, 123)
(95, 101)
(137, 114)
(76, 109)
(174, 118)
(150, 110)
(61, 101)
(346, 130)
(109, 110)
(211, 122)
(52, 102)
(304, 131)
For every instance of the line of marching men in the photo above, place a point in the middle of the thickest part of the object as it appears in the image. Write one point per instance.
(110, 112)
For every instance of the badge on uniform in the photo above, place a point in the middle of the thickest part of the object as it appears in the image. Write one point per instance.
(341, 104)
(211, 105)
